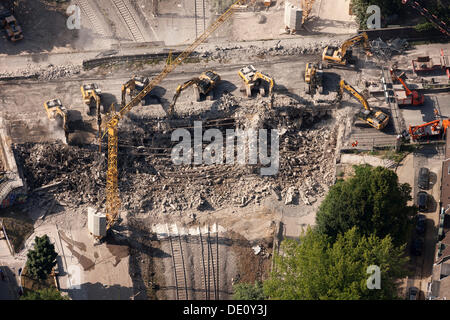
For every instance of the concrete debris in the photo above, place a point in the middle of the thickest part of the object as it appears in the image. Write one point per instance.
(290, 195)
(148, 179)
(50, 72)
(236, 51)
(256, 249)
(387, 49)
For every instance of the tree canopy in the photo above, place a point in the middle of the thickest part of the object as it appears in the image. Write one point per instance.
(373, 201)
(248, 291)
(44, 294)
(41, 259)
(387, 7)
(314, 269)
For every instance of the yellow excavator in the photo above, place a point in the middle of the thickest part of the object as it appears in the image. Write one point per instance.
(91, 94)
(342, 55)
(132, 87)
(375, 118)
(56, 111)
(313, 78)
(203, 88)
(253, 80)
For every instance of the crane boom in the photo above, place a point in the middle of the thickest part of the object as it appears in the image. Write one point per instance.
(112, 189)
(435, 21)
(395, 77)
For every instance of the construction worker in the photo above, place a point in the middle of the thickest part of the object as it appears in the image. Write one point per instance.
(436, 112)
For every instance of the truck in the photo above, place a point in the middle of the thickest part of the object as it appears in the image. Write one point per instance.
(10, 24)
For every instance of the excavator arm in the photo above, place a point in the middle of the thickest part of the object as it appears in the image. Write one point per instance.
(180, 88)
(63, 116)
(395, 77)
(97, 100)
(269, 80)
(345, 86)
(112, 189)
(129, 85)
(352, 41)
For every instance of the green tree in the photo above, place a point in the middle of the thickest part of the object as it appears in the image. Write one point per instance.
(44, 294)
(373, 201)
(314, 269)
(387, 7)
(248, 291)
(41, 259)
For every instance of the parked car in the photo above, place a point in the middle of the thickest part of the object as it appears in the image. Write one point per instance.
(417, 247)
(422, 201)
(421, 224)
(424, 178)
(413, 293)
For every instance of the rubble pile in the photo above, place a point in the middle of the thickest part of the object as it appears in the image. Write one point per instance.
(236, 51)
(386, 50)
(55, 72)
(50, 72)
(80, 172)
(149, 180)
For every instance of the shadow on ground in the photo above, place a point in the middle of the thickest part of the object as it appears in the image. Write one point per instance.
(44, 28)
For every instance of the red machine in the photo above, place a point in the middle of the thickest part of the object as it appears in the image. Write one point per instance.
(408, 97)
(435, 21)
(430, 130)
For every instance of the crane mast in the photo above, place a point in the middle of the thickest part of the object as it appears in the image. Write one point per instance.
(435, 21)
(112, 189)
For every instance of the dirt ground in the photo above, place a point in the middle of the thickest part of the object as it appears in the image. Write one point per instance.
(167, 23)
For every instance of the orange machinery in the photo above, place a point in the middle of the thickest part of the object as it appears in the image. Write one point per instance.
(408, 97)
(430, 130)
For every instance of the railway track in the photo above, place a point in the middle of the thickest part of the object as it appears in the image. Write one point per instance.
(200, 18)
(210, 263)
(129, 20)
(179, 267)
(91, 17)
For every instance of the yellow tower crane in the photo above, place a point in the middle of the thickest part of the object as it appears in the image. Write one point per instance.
(112, 189)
